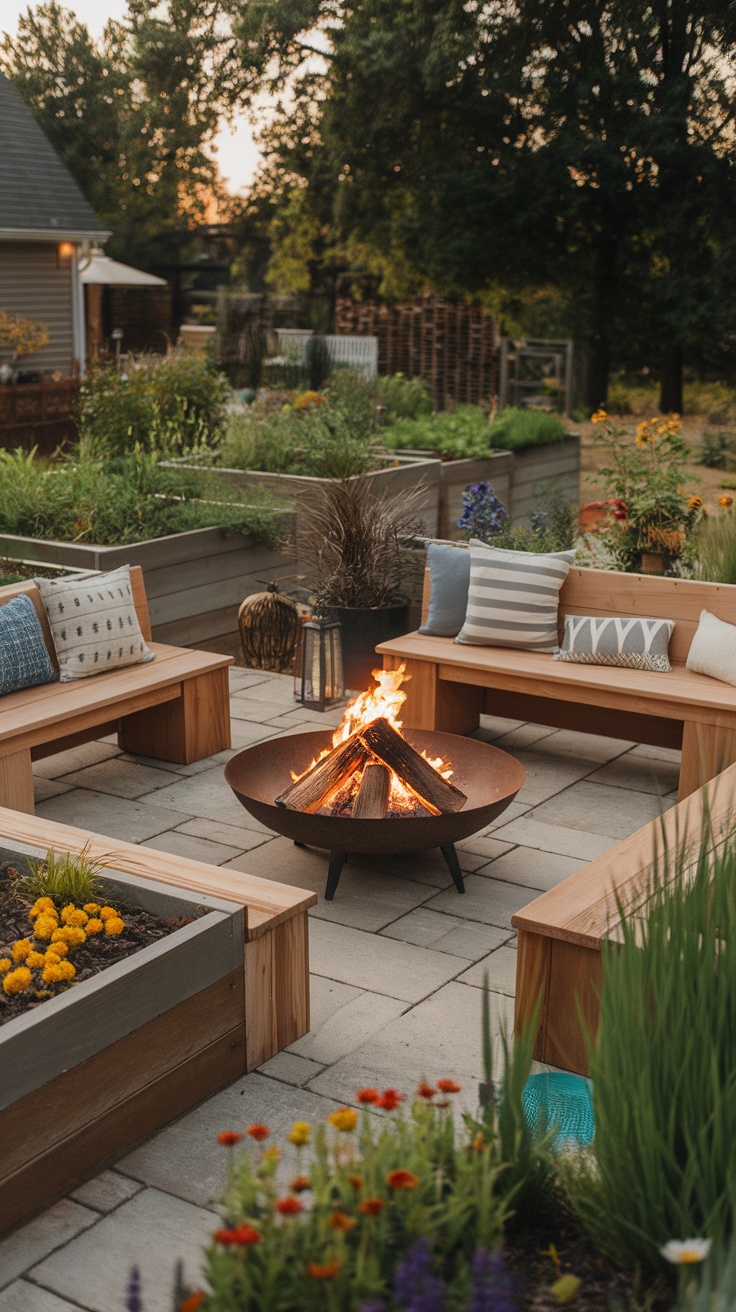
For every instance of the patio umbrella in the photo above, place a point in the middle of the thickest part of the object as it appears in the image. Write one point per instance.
(100, 269)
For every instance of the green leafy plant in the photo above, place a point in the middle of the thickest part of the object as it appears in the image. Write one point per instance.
(515, 429)
(460, 433)
(663, 1070)
(715, 446)
(713, 550)
(403, 398)
(63, 877)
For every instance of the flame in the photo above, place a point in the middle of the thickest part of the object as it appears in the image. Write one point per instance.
(381, 702)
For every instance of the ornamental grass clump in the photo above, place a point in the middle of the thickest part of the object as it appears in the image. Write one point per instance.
(663, 1162)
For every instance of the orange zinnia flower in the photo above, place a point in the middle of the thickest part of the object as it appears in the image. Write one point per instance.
(341, 1221)
(194, 1301)
(328, 1271)
(289, 1206)
(389, 1100)
(367, 1095)
(449, 1086)
(241, 1235)
(300, 1183)
(258, 1132)
(426, 1091)
(229, 1138)
(371, 1206)
(725, 502)
(402, 1180)
(356, 1181)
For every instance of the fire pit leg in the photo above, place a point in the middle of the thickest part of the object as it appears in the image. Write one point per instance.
(337, 861)
(450, 856)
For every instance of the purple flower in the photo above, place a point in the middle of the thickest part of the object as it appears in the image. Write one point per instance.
(133, 1301)
(493, 1285)
(483, 512)
(416, 1287)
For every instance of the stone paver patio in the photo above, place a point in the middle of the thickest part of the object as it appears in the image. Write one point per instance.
(397, 965)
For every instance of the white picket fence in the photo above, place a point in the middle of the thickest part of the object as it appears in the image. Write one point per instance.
(359, 353)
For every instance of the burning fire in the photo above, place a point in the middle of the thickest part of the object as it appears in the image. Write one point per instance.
(381, 702)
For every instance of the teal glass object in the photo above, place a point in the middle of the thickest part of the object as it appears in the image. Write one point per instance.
(557, 1098)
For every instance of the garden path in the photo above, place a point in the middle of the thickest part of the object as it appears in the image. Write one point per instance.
(397, 965)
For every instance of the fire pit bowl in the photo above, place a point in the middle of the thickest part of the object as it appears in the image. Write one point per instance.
(490, 778)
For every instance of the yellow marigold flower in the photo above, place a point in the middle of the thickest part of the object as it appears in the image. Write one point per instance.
(107, 912)
(17, 980)
(53, 958)
(695, 503)
(94, 926)
(21, 949)
(57, 950)
(70, 934)
(58, 972)
(92, 908)
(72, 915)
(301, 1133)
(725, 502)
(599, 417)
(114, 926)
(43, 904)
(36, 960)
(345, 1119)
(5, 964)
(45, 926)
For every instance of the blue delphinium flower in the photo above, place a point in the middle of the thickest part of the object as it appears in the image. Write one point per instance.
(133, 1301)
(416, 1287)
(493, 1285)
(483, 512)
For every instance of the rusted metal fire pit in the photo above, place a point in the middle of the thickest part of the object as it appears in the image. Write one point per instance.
(490, 778)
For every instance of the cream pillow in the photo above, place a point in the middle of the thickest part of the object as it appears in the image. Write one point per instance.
(713, 649)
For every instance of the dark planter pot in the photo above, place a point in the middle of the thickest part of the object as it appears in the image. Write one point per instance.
(362, 630)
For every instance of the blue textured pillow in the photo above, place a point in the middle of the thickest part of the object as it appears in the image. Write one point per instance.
(24, 657)
(449, 578)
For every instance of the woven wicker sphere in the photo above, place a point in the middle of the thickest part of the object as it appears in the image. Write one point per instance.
(269, 628)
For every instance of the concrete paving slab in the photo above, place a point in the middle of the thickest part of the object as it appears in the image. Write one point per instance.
(591, 746)
(186, 1160)
(43, 788)
(327, 996)
(499, 967)
(530, 832)
(291, 1069)
(349, 1027)
(471, 941)
(525, 736)
(116, 817)
(106, 1191)
(22, 1296)
(600, 809)
(206, 795)
(369, 961)
(655, 753)
(74, 758)
(119, 777)
(39, 1237)
(490, 901)
(197, 849)
(482, 845)
(546, 776)
(532, 868)
(277, 692)
(512, 812)
(237, 836)
(421, 927)
(495, 726)
(257, 709)
(152, 1231)
(644, 774)
(439, 1037)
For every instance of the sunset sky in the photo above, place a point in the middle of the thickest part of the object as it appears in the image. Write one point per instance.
(237, 153)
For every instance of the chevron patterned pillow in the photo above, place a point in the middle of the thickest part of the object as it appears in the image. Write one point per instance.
(640, 644)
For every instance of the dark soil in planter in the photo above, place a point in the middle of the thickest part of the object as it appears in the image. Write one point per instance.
(19, 571)
(141, 929)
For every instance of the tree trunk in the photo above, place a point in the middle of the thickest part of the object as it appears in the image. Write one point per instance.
(599, 346)
(597, 366)
(670, 382)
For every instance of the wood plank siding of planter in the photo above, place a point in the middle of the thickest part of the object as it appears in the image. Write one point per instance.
(540, 469)
(96, 1069)
(195, 581)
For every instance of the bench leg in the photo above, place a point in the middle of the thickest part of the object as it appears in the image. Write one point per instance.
(564, 979)
(706, 751)
(276, 989)
(434, 703)
(16, 781)
(193, 726)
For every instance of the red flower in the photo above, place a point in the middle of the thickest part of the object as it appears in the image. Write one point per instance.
(341, 1221)
(328, 1271)
(426, 1091)
(258, 1132)
(242, 1236)
(389, 1100)
(229, 1138)
(289, 1206)
(367, 1095)
(621, 511)
(402, 1180)
(300, 1183)
(371, 1206)
(356, 1181)
(194, 1301)
(449, 1086)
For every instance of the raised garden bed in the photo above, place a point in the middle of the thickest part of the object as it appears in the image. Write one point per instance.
(87, 1073)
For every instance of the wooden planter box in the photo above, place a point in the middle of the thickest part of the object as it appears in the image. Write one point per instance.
(86, 1074)
(195, 581)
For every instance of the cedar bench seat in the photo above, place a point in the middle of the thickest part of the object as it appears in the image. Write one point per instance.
(452, 685)
(175, 708)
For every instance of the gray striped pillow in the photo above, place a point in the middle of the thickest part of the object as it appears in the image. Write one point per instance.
(513, 598)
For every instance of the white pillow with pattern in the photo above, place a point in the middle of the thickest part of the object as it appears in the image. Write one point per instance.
(94, 624)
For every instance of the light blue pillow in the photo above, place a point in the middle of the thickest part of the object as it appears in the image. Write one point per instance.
(24, 657)
(449, 578)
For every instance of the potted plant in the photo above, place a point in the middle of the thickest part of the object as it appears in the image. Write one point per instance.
(354, 546)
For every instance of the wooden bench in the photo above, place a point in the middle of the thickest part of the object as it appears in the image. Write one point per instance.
(96, 1109)
(175, 708)
(562, 932)
(451, 685)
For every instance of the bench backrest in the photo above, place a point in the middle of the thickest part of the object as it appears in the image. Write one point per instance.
(139, 597)
(606, 592)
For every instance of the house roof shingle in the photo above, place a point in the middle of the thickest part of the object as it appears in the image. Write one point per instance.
(38, 195)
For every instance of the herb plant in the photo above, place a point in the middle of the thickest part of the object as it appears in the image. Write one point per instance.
(515, 429)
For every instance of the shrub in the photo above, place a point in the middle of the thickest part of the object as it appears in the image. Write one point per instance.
(170, 403)
(553, 526)
(403, 398)
(663, 1064)
(515, 429)
(114, 502)
(714, 448)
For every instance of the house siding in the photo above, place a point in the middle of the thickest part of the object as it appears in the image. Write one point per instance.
(35, 285)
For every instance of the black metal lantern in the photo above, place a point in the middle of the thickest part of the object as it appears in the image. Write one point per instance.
(318, 682)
